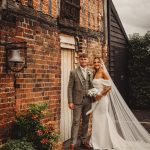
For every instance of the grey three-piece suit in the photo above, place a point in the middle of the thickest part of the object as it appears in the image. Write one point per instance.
(77, 94)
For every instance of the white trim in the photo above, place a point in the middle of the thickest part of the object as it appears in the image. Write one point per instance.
(66, 114)
(67, 41)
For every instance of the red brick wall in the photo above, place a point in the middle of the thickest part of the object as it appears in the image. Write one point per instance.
(36, 5)
(93, 45)
(40, 82)
(7, 103)
(94, 8)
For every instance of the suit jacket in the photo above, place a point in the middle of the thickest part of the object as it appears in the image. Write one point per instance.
(75, 85)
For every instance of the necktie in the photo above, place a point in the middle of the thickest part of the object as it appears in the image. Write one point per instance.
(84, 72)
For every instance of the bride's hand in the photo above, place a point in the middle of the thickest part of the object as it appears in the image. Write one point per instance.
(71, 105)
(98, 97)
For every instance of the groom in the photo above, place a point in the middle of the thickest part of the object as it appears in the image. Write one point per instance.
(80, 82)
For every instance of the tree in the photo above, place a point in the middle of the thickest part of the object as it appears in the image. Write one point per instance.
(139, 70)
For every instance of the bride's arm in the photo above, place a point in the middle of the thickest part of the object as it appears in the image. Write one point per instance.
(103, 93)
(105, 90)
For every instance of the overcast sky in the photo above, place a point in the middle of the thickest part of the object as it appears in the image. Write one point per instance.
(134, 15)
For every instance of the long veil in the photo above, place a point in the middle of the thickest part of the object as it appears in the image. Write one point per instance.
(128, 127)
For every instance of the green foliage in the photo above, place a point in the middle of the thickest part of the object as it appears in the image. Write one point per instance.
(29, 125)
(139, 68)
(19, 144)
(29, 121)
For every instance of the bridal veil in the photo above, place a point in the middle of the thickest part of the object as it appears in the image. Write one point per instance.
(133, 134)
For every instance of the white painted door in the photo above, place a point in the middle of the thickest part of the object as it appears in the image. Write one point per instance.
(67, 61)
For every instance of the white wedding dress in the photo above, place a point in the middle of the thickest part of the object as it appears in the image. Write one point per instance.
(105, 134)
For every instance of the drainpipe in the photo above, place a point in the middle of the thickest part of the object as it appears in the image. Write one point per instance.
(108, 28)
(105, 25)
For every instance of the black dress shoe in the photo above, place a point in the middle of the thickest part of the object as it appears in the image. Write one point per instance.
(85, 145)
(72, 147)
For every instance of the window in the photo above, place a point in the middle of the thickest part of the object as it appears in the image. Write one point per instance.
(70, 9)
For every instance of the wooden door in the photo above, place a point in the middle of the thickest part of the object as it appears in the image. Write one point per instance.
(67, 61)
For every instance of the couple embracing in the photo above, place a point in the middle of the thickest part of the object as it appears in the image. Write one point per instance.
(114, 127)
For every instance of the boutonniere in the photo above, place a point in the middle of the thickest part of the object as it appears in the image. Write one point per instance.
(89, 72)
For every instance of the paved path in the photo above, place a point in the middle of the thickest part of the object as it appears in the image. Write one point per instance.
(66, 146)
(142, 115)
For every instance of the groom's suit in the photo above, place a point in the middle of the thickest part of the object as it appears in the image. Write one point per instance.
(77, 94)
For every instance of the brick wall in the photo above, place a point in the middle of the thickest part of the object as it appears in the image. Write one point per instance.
(91, 20)
(43, 6)
(94, 47)
(40, 81)
(91, 10)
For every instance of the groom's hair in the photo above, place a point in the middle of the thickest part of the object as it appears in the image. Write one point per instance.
(83, 55)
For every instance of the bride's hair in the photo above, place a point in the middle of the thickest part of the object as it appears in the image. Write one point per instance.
(100, 59)
(97, 57)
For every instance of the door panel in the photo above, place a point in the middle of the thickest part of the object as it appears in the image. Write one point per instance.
(67, 61)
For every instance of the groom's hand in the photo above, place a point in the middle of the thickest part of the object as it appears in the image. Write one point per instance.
(71, 105)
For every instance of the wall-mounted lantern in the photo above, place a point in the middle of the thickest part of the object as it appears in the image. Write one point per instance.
(16, 57)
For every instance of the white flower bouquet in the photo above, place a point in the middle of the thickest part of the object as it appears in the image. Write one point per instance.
(93, 92)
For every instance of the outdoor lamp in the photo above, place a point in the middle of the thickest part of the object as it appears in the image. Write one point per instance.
(16, 58)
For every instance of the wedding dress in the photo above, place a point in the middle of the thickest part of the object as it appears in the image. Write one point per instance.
(114, 127)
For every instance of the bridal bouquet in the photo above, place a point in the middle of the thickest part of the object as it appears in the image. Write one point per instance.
(93, 92)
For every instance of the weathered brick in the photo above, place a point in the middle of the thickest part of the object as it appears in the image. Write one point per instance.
(41, 80)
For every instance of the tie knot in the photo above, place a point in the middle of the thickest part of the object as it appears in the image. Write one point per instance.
(84, 69)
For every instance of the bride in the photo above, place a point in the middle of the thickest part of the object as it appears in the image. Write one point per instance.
(114, 127)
